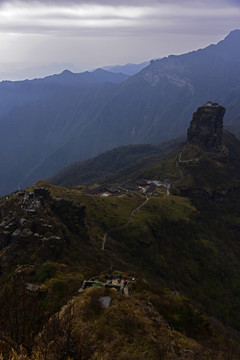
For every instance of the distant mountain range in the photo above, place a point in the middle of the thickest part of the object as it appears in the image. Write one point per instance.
(25, 72)
(129, 69)
(49, 123)
(41, 115)
(20, 93)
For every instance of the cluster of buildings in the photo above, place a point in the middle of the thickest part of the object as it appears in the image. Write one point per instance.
(140, 185)
(105, 190)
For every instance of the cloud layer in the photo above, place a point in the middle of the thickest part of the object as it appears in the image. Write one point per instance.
(107, 30)
(76, 17)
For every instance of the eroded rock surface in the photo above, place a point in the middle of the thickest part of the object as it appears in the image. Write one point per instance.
(206, 127)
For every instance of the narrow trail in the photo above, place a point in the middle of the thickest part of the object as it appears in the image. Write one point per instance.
(124, 225)
(173, 183)
(179, 161)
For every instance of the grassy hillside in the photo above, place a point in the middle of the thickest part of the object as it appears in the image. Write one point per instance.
(168, 240)
(115, 165)
(151, 162)
(186, 247)
(172, 235)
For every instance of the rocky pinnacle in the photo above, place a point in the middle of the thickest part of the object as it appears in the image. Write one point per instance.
(206, 127)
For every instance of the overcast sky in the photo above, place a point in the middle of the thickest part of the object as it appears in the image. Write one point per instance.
(40, 37)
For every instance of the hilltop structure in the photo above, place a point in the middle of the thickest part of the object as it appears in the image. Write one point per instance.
(206, 127)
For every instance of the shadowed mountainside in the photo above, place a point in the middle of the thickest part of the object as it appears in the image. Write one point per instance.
(75, 123)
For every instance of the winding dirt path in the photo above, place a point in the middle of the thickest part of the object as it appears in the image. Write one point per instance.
(124, 225)
(179, 161)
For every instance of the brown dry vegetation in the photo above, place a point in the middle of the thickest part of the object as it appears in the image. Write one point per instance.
(130, 329)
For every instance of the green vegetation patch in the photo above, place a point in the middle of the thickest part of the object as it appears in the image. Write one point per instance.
(163, 169)
(45, 272)
(111, 212)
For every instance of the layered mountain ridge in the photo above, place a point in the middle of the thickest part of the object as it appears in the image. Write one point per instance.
(69, 123)
(208, 159)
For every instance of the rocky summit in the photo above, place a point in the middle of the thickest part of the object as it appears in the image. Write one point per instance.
(206, 127)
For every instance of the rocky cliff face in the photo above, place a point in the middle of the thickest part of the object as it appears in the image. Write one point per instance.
(206, 127)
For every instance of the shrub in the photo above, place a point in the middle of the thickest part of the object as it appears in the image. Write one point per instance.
(47, 271)
(48, 234)
(58, 286)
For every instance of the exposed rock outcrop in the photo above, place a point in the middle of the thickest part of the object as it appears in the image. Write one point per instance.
(206, 127)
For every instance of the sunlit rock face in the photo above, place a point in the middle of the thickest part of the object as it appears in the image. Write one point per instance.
(206, 127)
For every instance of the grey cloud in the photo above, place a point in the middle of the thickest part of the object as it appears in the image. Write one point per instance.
(184, 19)
(119, 2)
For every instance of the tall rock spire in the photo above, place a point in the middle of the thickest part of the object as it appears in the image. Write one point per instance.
(206, 127)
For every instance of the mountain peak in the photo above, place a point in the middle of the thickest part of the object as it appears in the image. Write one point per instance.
(206, 127)
(234, 34)
(66, 72)
(100, 71)
(231, 42)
